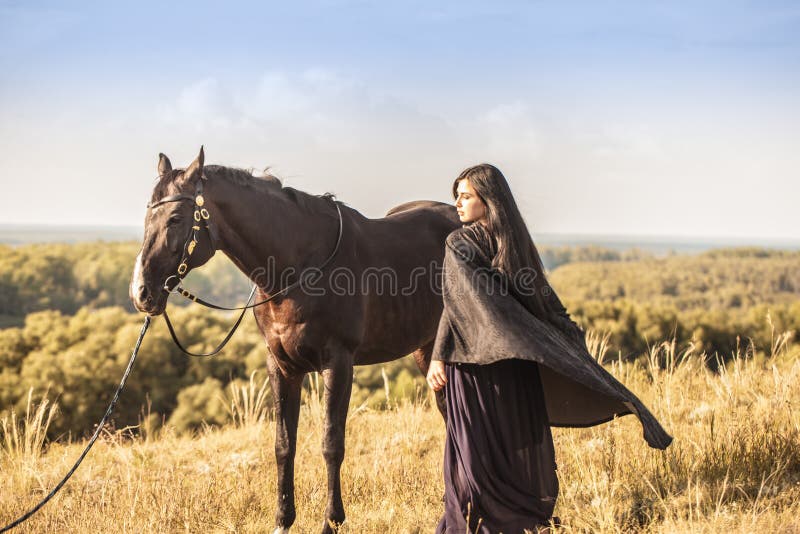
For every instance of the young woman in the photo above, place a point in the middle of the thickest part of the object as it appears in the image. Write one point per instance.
(512, 364)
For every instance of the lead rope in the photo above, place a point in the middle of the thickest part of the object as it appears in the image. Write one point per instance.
(100, 426)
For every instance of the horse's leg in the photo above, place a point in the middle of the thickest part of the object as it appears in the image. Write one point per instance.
(286, 395)
(338, 379)
(423, 358)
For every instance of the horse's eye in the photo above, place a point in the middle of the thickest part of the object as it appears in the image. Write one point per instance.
(175, 219)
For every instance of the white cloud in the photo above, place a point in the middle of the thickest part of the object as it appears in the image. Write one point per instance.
(509, 130)
(626, 141)
(201, 104)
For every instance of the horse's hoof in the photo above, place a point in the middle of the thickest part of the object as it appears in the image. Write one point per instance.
(281, 530)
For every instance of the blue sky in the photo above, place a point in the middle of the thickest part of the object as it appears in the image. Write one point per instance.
(660, 118)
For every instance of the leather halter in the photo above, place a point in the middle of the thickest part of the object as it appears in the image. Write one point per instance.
(201, 215)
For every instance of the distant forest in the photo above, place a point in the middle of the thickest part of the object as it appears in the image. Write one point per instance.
(67, 326)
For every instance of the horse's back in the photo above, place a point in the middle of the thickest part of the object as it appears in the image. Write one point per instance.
(424, 222)
(431, 213)
(414, 205)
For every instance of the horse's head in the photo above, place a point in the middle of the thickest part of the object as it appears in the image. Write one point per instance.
(169, 228)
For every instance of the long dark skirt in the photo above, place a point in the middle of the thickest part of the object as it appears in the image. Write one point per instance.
(499, 460)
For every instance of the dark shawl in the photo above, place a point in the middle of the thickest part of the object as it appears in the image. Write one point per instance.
(487, 318)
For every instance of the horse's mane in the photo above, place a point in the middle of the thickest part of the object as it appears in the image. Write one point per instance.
(266, 182)
(244, 177)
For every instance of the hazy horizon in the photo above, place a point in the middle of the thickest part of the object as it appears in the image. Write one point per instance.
(660, 245)
(134, 229)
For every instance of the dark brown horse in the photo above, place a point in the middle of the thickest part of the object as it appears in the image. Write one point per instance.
(377, 300)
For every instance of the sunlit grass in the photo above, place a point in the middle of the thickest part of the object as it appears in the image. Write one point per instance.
(734, 465)
(22, 438)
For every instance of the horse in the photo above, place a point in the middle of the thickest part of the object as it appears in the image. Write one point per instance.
(260, 224)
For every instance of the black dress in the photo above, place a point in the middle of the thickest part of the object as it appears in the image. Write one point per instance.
(499, 460)
(516, 365)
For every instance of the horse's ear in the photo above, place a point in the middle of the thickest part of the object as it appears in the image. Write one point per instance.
(164, 165)
(196, 168)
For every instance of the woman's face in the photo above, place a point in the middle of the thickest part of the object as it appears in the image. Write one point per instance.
(469, 205)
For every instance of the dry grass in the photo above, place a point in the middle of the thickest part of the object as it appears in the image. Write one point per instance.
(23, 438)
(734, 465)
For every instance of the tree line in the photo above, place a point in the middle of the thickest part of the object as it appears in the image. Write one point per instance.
(70, 326)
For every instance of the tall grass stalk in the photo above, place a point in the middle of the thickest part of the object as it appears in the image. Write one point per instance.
(598, 344)
(23, 439)
(248, 403)
(780, 342)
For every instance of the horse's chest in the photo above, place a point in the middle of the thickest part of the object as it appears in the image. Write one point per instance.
(289, 326)
(289, 333)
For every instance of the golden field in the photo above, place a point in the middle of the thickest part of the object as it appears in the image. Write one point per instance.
(734, 465)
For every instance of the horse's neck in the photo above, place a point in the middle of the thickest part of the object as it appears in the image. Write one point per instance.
(261, 230)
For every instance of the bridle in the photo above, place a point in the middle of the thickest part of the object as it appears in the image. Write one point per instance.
(202, 216)
(199, 214)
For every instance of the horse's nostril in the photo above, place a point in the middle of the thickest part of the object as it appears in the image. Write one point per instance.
(144, 294)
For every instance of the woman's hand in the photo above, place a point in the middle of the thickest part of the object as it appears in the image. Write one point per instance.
(436, 377)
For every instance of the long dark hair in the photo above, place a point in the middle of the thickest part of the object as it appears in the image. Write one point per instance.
(515, 254)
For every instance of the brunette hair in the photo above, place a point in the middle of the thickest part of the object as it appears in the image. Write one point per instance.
(514, 250)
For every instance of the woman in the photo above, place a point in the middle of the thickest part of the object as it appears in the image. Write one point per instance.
(512, 363)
